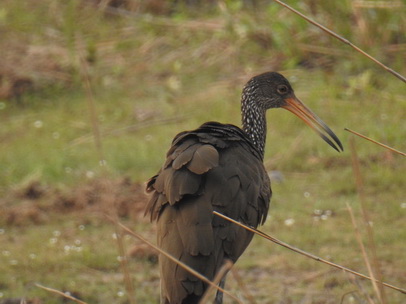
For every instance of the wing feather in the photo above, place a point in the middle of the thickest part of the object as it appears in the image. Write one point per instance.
(184, 157)
(204, 158)
(212, 168)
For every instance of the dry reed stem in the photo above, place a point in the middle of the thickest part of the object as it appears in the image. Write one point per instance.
(323, 50)
(346, 294)
(378, 4)
(99, 147)
(124, 267)
(228, 264)
(375, 142)
(173, 259)
(60, 293)
(245, 291)
(132, 128)
(284, 155)
(309, 255)
(364, 254)
(91, 105)
(368, 223)
(129, 286)
(197, 25)
(353, 280)
(346, 41)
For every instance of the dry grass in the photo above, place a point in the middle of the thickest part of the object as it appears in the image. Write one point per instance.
(37, 204)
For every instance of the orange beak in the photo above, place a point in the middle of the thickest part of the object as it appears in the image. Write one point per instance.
(294, 105)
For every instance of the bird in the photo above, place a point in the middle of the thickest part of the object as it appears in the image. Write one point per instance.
(218, 167)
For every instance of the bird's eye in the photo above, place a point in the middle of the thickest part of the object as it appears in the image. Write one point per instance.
(282, 89)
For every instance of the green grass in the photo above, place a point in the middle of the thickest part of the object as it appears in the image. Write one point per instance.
(190, 67)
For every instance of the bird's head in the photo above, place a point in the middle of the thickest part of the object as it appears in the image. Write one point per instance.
(272, 90)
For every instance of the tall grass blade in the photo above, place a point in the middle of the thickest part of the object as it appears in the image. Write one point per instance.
(63, 294)
(173, 259)
(297, 250)
(124, 267)
(92, 107)
(127, 129)
(219, 276)
(346, 41)
(241, 284)
(375, 142)
(368, 223)
(364, 254)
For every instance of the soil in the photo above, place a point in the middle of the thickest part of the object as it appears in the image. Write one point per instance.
(36, 203)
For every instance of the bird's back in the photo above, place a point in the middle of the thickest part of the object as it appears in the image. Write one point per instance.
(214, 167)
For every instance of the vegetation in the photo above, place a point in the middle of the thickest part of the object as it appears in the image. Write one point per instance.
(139, 72)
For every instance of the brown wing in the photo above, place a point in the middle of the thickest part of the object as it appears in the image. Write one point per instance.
(212, 168)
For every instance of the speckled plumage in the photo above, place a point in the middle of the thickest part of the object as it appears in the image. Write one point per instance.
(214, 167)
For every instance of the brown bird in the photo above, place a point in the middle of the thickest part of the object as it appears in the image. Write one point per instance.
(218, 167)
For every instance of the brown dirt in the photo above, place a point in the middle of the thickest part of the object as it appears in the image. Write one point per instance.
(26, 67)
(36, 203)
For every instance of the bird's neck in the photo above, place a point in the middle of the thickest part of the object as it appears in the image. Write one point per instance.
(254, 122)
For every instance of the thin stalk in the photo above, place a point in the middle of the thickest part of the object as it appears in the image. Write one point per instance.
(364, 253)
(241, 284)
(63, 294)
(375, 142)
(297, 250)
(92, 109)
(219, 276)
(124, 267)
(173, 259)
(346, 41)
(367, 220)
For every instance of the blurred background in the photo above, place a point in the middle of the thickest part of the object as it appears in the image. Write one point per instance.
(93, 91)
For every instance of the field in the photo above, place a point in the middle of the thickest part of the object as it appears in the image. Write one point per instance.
(91, 96)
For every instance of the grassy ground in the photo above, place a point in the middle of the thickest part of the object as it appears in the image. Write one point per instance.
(152, 76)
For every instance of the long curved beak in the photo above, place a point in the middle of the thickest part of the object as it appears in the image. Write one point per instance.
(294, 105)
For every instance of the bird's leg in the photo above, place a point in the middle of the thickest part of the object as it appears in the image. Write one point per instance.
(219, 294)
